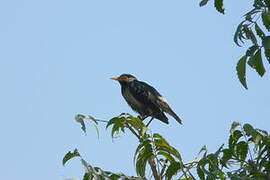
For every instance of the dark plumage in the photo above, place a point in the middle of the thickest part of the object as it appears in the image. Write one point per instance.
(145, 99)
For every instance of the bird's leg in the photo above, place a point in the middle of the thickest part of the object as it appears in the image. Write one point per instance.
(149, 121)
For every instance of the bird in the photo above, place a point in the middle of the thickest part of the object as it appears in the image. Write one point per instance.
(145, 99)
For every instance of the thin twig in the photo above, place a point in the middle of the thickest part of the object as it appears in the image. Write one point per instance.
(164, 167)
(185, 173)
(94, 119)
(133, 131)
(190, 174)
(155, 155)
(151, 161)
(101, 120)
(153, 166)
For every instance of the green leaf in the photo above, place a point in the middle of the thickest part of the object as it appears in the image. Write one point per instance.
(234, 139)
(266, 42)
(79, 118)
(266, 20)
(203, 2)
(257, 64)
(248, 15)
(145, 148)
(162, 144)
(87, 176)
(258, 4)
(200, 173)
(233, 126)
(267, 2)
(249, 34)
(264, 133)
(238, 34)
(219, 150)
(236, 135)
(140, 147)
(70, 155)
(213, 163)
(141, 163)
(136, 123)
(166, 155)
(219, 6)
(227, 155)
(113, 121)
(259, 31)
(257, 139)
(242, 150)
(267, 54)
(203, 149)
(241, 71)
(173, 168)
(251, 50)
(143, 153)
(248, 129)
(118, 124)
(114, 177)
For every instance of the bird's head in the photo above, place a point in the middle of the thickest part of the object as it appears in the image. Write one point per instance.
(124, 78)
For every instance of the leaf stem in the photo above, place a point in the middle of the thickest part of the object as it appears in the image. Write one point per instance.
(151, 160)
(133, 131)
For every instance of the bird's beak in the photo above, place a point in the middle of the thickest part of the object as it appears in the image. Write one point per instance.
(116, 79)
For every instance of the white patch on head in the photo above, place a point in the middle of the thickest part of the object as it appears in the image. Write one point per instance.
(130, 79)
(163, 99)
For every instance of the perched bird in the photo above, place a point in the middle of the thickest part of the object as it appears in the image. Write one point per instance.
(145, 99)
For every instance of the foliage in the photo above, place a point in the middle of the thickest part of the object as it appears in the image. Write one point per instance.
(155, 146)
(95, 172)
(246, 155)
(254, 31)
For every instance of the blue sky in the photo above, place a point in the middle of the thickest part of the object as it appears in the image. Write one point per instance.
(57, 58)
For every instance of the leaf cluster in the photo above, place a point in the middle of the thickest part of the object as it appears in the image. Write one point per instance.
(123, 121)
(96, 173)
(254, 31)
(155, 147)
(245, 156)
(217, 3)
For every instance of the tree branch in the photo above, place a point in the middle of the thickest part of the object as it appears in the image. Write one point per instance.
(153, 166)
(151, 161)
(133, 131)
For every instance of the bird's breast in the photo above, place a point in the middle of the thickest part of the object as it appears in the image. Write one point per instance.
(132, 101)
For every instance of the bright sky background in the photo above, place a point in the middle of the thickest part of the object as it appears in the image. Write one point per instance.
(56, 60)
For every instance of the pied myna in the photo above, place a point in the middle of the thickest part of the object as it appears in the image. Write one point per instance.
(145, 99)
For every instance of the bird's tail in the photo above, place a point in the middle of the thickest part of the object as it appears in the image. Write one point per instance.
(162, 117)
(170, 112)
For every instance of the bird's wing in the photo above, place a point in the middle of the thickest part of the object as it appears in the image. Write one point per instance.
(159, 101)
(145, 94)
(155, 97)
